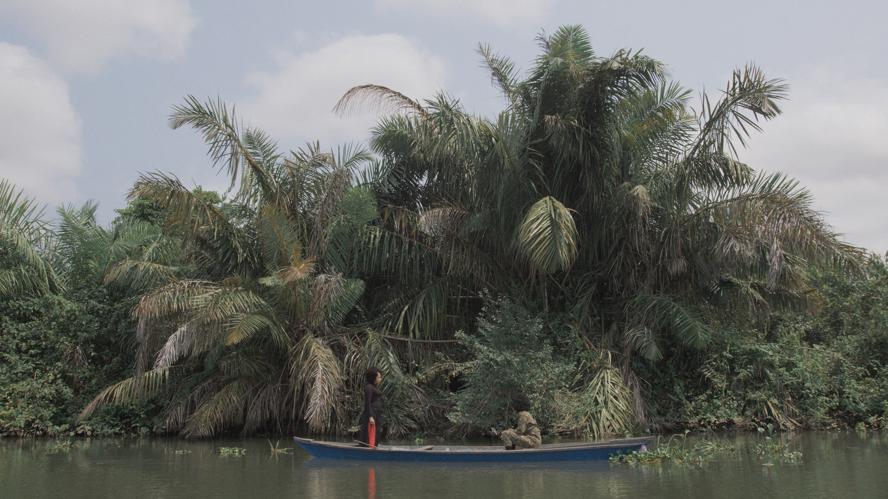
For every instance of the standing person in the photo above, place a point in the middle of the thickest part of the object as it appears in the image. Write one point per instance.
(373, 405)
(526, 435)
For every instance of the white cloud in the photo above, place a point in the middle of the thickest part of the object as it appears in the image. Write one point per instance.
(40, 130)
(83, 35)
(831, 137)
(294, 102)
(502, 12)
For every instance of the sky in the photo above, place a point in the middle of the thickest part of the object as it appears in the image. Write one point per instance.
(87, 86)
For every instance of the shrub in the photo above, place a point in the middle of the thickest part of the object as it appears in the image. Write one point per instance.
(511, 353)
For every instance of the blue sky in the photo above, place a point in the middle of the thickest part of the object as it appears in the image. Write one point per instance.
(86, 86)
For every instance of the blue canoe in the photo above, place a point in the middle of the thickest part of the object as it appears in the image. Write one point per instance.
(457, 453)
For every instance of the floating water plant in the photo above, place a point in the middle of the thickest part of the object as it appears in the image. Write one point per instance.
(276, 448)
(232, 451)
(676, 449)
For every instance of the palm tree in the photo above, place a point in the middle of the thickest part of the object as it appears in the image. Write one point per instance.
(248, 329)
(38, 258)
(597, 192)
(25, 244)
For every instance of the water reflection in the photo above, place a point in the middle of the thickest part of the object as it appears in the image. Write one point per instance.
(834, 465)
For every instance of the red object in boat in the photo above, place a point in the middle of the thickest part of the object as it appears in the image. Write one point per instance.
(371, 433)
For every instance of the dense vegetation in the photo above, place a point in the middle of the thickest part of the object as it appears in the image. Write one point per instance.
(597, 245)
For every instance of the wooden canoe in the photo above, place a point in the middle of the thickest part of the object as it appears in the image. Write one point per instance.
(578, 451)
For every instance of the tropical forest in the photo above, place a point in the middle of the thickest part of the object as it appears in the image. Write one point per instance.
(598, 245)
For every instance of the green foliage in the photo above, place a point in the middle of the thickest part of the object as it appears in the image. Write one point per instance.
(800, 370)
(54, 354)
(140, 210)
(247, 327)
(548, 236)
(407, 406)
(598, 193)
(698, 452)
(773, 450)
(24, 242)
(678, 449)
(643, 276)
(601, 408)
(511, 354)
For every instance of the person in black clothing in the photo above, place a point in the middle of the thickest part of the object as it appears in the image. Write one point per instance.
(372, 405)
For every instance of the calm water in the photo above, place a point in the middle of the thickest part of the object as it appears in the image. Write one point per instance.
(835, 465)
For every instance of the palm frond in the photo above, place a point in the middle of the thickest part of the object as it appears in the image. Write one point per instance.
(315, 373)
(548, 237)
(664, 313)
(140, 274)
(136, 389)
(248, 156)
(425, 313)
(502, 72)
(332, 297)
(379, 97)
(224, 408)
(603, 406)
(568, 49)
(244, 326)
(23, 238)
(749, 97)
(655, 128)
(175, 298)
(176, 347)
(771, 214)
(351, 156)
(642, 340)
(200, 223)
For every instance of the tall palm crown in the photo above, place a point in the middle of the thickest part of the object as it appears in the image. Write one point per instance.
(598, 192)
(244, 331)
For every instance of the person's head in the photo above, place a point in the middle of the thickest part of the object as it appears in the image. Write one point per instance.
(373, 376)
(520, 403)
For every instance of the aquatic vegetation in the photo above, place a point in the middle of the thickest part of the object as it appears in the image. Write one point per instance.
(679, 450)
(682, 450)
(276, 448)
(232, 451)
(774, 450)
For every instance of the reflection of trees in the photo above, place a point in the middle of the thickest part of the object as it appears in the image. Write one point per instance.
(835, 465)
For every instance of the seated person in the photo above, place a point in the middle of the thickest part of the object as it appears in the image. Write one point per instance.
(527, 434)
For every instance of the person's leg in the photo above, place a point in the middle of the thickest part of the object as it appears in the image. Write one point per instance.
(364, 434)
(508, 437)
(524, 442)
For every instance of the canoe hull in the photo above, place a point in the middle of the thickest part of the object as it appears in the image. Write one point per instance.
(588, 452)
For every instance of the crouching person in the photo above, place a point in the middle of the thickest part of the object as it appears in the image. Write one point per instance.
(526, 435)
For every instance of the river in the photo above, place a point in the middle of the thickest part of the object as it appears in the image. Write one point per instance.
(832, 465)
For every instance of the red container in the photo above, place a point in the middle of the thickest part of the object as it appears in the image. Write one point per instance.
(371, 433)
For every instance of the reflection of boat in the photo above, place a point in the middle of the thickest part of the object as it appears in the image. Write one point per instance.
(583, 451)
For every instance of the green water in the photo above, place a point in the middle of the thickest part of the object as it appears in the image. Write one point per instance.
(834, 465)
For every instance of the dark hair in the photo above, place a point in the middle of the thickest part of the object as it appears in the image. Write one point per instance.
(520, 403)
(370, 375)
